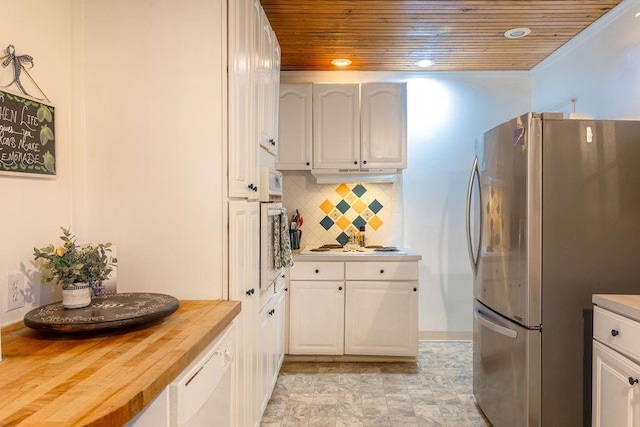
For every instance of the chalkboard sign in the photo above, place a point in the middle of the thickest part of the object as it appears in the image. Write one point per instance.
(27, 136)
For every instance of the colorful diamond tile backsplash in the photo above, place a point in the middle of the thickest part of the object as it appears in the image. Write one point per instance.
(332, 212)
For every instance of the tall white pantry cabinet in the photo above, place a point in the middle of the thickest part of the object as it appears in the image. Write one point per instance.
(254, 70)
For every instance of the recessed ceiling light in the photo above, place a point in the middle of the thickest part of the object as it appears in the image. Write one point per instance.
(424, 63)
(516, 33)
(341, 62)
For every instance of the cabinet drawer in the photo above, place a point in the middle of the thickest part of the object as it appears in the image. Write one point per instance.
(382, 270)
(618, 332)
(317, 270)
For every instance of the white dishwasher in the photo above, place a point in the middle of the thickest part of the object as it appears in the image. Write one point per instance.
(201, 395)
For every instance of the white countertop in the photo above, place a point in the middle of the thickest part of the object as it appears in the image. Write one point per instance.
(403, 254)
(625, 305)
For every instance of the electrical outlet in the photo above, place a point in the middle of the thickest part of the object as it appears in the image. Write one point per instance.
(15, 291)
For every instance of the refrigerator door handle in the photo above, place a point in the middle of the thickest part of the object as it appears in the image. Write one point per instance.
(487, 322)
(474, 258)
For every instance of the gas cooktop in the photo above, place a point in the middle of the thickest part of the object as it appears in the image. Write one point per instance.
(336, 249)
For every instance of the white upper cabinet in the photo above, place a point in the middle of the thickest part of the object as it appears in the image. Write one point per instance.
(295, 127)
(359, 127)
(336, 126)
(243, 153)
(254, 78)
(384, 125)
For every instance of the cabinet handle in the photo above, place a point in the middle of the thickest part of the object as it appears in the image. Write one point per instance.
(633, 381)
(415, 289)
(317, 271)
(273, 310)
(615, 332)
(251, 186)
(272, 142)
(339, 288)
(355, 162)
(253, 291)
(248, 292)
(286, 289)
(255, 188)
(364, 162)
(381, 271)
(308, 163)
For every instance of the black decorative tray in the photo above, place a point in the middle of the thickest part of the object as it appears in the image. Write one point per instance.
(108, 312)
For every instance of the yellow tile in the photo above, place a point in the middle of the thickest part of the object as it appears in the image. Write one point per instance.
(326, 206)
(359, 206)
(343, 223)
(343, 190)
(375, 222)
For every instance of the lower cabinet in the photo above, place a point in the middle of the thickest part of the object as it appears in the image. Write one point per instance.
(272, 346)
(615, 371)
(366, 308)
(381, 318)
(616, 401)
(316, 317)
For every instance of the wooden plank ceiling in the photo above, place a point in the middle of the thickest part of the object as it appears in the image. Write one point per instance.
(457, 35)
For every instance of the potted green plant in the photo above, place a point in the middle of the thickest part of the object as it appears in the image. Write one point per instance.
(80, 269)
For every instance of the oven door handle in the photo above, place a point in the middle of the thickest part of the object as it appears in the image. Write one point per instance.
(490, 324)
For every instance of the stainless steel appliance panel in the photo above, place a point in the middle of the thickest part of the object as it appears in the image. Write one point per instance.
(591, 235)
(507, 275)
(506, 369)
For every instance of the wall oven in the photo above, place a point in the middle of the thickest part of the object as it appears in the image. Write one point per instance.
(270, 223)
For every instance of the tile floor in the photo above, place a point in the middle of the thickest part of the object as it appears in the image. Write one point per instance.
(436, 390)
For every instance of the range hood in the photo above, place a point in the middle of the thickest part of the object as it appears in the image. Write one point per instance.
(338, 176)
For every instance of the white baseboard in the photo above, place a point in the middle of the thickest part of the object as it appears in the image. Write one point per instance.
(445, 335)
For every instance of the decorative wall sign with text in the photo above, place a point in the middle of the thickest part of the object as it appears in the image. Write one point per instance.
(27, 136)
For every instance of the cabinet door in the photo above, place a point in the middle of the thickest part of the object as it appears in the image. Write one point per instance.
(316, 313)
(244, 276)
(243, 156)
(295, 127)
(381, 318)
(336, 126)
(384, 125)
(616, 391)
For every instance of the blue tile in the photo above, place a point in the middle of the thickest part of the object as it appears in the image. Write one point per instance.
(343, 239)
(343, 206)
(375, 206)
(327, 222)
(359, 190)
(359, 222)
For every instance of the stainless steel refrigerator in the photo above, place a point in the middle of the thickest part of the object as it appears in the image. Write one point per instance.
(553, 216)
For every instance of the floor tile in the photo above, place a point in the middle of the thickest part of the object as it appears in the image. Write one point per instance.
(436, 390)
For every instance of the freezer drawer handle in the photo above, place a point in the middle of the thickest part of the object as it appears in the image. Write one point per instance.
(614, 332)
(494, 326)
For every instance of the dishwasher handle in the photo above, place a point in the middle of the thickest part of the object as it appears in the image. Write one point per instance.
(481, 317)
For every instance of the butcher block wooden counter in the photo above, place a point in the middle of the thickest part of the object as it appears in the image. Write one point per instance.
(101, 380)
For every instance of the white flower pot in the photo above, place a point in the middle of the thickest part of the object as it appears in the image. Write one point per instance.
(77, 295)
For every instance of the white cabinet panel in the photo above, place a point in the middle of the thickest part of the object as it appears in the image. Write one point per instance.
(316, 317)
(317, 270)
(295, 127)
(616, 392)
(381, 318)
(382, 270)
(336, 126)
(384, 125)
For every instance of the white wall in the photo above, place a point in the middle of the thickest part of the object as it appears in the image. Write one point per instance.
(33, 209)
(600, 68)
(156, 142)
(446, 111)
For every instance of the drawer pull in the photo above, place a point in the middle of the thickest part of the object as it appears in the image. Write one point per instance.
(317, 271)
(381, 271)
(415, 289)
(633, 381)
(615, 332)
(339, 288)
